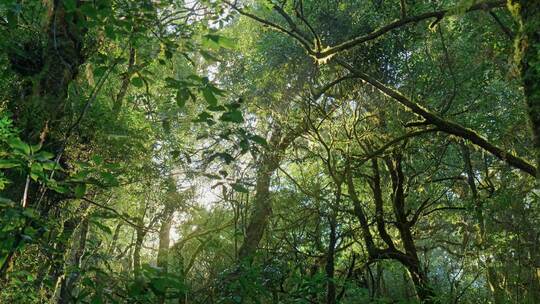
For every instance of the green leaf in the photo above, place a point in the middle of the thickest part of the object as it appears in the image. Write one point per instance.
(195, 78)
(258, 139)
(31, 213)
(182, 96)
(36, 171)
(96, 300)
(89, 10)
(43, 156)
(217, 108)
(35, 148)
(233, 116)
(208, 56)
(98, 160)
(216, 41)
(100, 71)
(70, 5)
(239, 188)
(12, 18)
(215, 90)
(51, 165)
(80, 190)
(5, 202)
(17, 144)
(53, 185)
(30, 231)
(109, 179)
(102, 227)
(109, 32)
(137, 82)
(212, 176)
(26, 238)
(227, 43)
(166, 126)
(461, 7)
(244, 145)
(226, 157)
(209, 96)
(8, 163)
(161, 284)
(79, 176)
(175, 154)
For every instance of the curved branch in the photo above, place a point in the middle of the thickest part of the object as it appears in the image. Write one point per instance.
(318, 93)
(444, 125)
(293, 32)
(399, 23)
(394, 141)
(120, 215)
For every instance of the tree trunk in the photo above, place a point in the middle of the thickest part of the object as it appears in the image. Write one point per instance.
(410, 260)
(527, 12)
(140, 233)
(421, 285)
(497, 292)
(137, 250)
(62, 57)
(163, 251)
(164, 242)
(42, 97)
(262, 206)
(73, 264)
(119, 99)
(262, 209)
(330, 255)
(57, 266)
(114, 241)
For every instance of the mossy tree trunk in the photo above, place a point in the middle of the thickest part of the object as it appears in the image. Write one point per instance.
(527, 13)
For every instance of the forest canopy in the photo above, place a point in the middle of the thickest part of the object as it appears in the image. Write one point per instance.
(269, 151)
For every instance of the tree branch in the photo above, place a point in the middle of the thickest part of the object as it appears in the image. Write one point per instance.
(444, 125)
(399, 23)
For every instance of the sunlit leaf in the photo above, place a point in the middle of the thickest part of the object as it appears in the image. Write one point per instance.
(209, 96)
(18, 144)
(137, 82)
(8, 163)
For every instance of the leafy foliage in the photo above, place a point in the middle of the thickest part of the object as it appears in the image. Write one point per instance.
(269, 151)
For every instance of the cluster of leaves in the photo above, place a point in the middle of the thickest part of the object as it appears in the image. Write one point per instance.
(152, 284)
(177, 140)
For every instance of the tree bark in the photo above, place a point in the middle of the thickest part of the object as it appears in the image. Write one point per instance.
(62, 57)
(527, 13)
(164, 243)
(139, 238)
(57, 266)
(114, 241)
(421, 285)
(262, 205)
(73, 264)
(163, 251)
(262, 209)
(42, 98)
(498, 293)
(409, 257)
(330, 255)
(411, 262)
(119, 99)
(446, 126)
